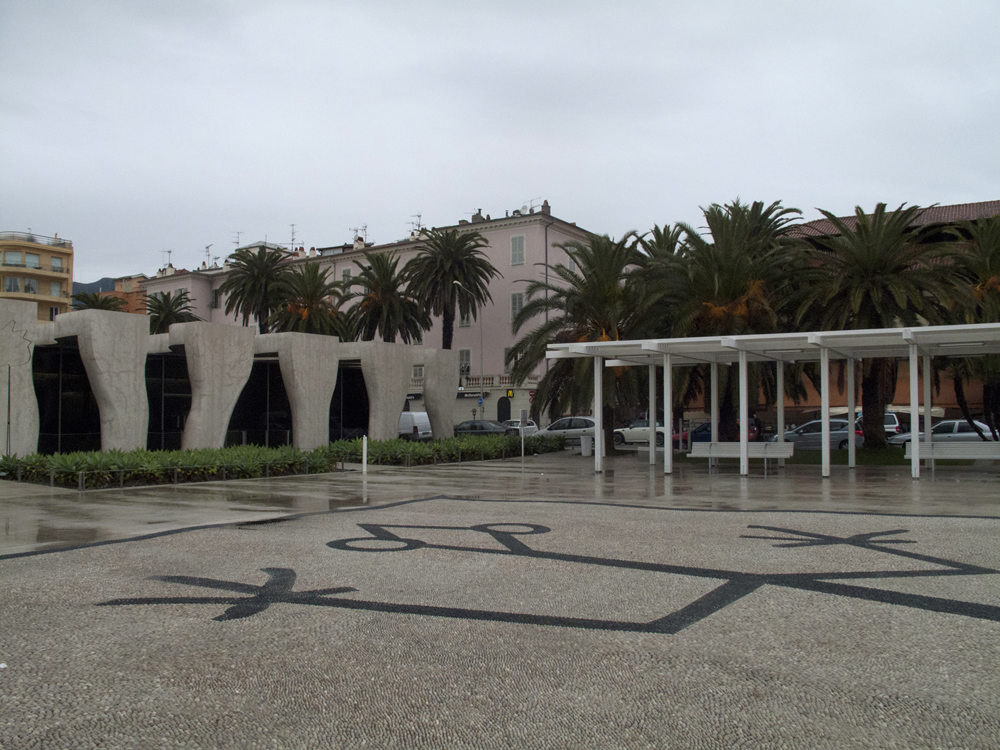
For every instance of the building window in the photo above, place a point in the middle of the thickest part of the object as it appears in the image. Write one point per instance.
(31, 286)
(464, 361)
(464, 321)
(571, 264)
(517, 250)
(55, 288)
(31, 260)
(56, 264)
(345, 276)
(516, 303)
(11, 284)
(506, 365)
(214, 302)
(418, 372)
(12, 258)
(53, 311)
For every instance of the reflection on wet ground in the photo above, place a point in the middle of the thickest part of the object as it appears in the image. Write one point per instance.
(39, 517)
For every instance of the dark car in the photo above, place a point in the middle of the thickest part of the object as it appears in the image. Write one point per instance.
(479, 427)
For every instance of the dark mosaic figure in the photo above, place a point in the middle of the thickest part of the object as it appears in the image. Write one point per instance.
(735, 584)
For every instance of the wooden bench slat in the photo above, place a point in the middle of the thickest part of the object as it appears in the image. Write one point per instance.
(980, 450)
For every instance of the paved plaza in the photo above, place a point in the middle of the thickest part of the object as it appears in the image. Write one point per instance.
(506, 604)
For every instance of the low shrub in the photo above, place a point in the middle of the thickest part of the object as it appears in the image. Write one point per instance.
(116, 468)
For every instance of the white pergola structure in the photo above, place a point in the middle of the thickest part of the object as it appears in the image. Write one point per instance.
(818, 346)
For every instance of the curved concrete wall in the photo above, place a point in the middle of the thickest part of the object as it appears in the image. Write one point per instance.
(17, 321)
(309, 370)
(113, 348)
(219, 359)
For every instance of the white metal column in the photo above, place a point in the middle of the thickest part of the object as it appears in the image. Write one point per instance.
(914, 404)
(927, 410)
(715, 409)
(780, 388)
(598, 414)
(668, 414)
(744, 425)
(824, 373)
(851, 415)
(652, 415)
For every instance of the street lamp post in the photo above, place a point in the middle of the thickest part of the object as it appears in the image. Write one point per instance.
(482, 375)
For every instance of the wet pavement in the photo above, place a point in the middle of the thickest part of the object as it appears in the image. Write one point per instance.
(499, 603)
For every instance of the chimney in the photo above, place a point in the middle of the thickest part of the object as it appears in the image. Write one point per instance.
(546, 209)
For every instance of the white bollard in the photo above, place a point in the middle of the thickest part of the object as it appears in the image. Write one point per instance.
(364, 454)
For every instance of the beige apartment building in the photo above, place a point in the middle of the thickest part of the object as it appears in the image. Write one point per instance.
(37, 269)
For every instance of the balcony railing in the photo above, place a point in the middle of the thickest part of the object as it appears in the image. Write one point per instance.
(37, 239)
(39, 267)
(503, 381)
(35, 291)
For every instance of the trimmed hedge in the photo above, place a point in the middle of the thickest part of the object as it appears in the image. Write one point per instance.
(143, 467)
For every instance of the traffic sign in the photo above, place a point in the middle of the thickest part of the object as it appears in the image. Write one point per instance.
(480, 402)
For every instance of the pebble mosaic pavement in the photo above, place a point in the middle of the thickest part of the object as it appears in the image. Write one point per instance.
(497, 606)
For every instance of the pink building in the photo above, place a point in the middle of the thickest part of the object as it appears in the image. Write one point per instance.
(520, 244)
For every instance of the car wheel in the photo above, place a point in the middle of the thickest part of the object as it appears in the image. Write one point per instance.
(659, 440)
(619, 438)
(843, 444)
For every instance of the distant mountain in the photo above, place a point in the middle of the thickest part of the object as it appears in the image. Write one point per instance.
(107, 284)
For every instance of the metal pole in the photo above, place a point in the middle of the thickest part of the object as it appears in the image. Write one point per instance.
(652, 415)
(744, 415)
(914, 403)
(852, 448)
(927, 409)
(598, 415)
(715, 410)
(824, 373)
(780, 387)
(668, 415)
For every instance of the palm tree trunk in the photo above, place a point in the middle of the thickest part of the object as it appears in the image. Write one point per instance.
(873, 404)
(447, 327)
(963, 404)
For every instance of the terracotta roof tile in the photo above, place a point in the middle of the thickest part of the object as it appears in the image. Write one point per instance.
(932, 215)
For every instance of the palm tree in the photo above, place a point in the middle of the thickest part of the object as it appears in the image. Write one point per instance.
(451, 274)
(385, 308)
(593, 301)
(875, 273)
(978, 257)
(253, 283)
(94, 301)
(737, 283)
(310, 303)
(166, 309)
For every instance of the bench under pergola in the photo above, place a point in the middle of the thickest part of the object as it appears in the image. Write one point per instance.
(913, 344)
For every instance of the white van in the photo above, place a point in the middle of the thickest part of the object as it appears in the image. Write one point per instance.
(414, 425)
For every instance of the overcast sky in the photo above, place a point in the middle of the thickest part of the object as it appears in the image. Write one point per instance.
(132, 127)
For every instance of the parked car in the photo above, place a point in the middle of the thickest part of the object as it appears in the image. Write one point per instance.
(703, 434)
(479, 427)
(892, 423)
(415, 425)
(570, 427)
(638, 432)
(513, 427)
(948, 431)
(810, 435)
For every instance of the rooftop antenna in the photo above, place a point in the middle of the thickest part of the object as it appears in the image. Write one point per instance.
(167, 253)
(293, 237)
(531, 203)
(208, 256)
(361, 231)
(417, 225)
(237, 240)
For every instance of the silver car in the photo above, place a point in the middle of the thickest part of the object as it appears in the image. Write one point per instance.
(810, 435)
(948, 431)
(572, 428)
(513, 427)
(638, 432)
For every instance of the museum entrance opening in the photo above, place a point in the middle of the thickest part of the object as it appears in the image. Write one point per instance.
(349, 405)
(168, 390)
(262, 415)
(69, 419)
